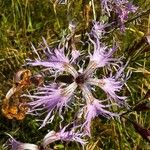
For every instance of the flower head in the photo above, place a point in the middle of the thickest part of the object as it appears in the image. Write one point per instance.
(48, 99)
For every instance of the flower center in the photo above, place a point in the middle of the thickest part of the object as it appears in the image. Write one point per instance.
(80, 79)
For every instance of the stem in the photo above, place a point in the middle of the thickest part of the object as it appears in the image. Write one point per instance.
(143, 14)
(93, 8)
(54, 6)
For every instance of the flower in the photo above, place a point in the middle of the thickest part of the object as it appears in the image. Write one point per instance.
(63, 135)
(51, 98)
(14, 144)
(56, 59)
(93, 108)
(111, 86)
(75, 54)
(122, 8)
(49, 138)
(102, 56)
(106, 6)
(98, 29)
(17, 145)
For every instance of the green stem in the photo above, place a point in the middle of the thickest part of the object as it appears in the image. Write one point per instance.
(93, 8)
